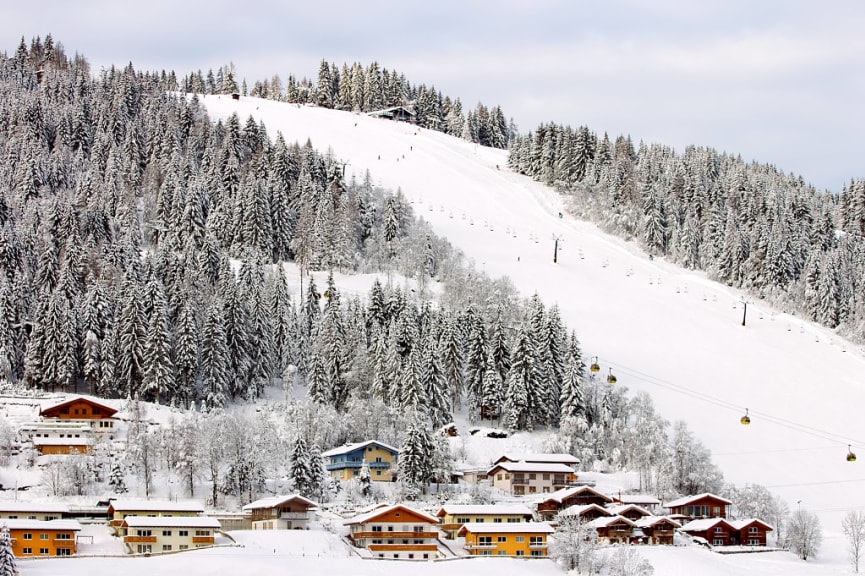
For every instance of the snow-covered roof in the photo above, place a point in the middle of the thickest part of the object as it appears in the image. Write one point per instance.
(171, 522)
(647, 521)
(363, 518)
(507, 528)
(156, 506)
(557, 457)
(620, 510)
(605, 521)
(81, 441)
(352, 447)
(581, 509)
(37, 507)
(740, 524)
(554, 468)
(565, 493)
(469, 509)
(703, 524)
(640, 499)
(41, 524)
(274, 501)
(684, 501)
(109, 411)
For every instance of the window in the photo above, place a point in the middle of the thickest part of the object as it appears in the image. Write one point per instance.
(485, 552)
(202, 532)
(532, 476)
(376, 540)
(485, 541)
(390, 528)
(718, 530)
(183, 547)
(520, 539)
(166, 547)
(376, 528)
(752, 530)
(142, 549)
(405, 541)
(145, 532)
(479, 520)
(417, 529)
(378, 458)
(410, 556)
(514, 520)
(417, 541)
(183, 533)
(63, 536)
(425, 556)
(537, 552)
(378, 472)
(43, 552)
(546, 476)
(497, 520)
(501, 539)
(754, 542)
(381, 555)
(533, 489)
(502, 553)
(27, 536)
(521, 552)
(536, 541)
(499, 476)
(27, 551)
(43, 536)
(166, 532)
(717, 542)
(369, 449)
(462, 520)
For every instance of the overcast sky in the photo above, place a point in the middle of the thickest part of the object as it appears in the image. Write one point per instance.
(781, 82)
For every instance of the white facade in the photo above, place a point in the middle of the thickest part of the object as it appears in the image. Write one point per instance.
(147, 534)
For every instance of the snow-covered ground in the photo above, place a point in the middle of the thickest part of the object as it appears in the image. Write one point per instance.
(660, 328)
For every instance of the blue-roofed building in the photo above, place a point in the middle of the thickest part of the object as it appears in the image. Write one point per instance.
(345, 462)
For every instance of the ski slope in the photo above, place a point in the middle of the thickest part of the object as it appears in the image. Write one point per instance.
(662, 329)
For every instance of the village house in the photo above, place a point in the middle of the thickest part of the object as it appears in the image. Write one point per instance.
(715, 531)
(751, 531)
(629, 511)
(147, 534)
(292, 512)
(551, 504)
(345, 462)
(99, 418)
(521, 478)
(396, 532)
(71, 427)
(644, 501)
(33, 511)
(454, 516)
(585, 512)
(700, 506)
(655, 530)
(40, 538)
(613, 529)
(517, 539)
(118, 510)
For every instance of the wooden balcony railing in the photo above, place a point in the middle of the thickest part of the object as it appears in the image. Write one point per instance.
(139, 539)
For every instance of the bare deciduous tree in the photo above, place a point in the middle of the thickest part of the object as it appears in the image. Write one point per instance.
(854, 530)
(804, 535)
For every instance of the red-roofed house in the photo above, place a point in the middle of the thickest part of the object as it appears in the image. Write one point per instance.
(716, 531)
(396, 532)
(752, 532)
(700, 506)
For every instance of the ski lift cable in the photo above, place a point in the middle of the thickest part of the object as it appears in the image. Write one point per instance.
(678, 388)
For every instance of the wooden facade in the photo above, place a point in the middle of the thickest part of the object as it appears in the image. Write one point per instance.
(751, 532)
(700, 506)
(613, 529)
(550, 505)
(292, 512)
(396, 532)
(520, 478)
(716, 531)
(655, 530)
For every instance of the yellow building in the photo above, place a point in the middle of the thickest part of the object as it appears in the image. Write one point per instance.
(147, 534)
(35, 538)
(118, 510)
(524, 539)
(454, 516)
(345, 462)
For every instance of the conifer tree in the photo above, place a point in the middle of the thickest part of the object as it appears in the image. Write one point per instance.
(7, 559)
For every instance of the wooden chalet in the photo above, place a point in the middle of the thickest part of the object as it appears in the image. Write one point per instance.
(455, 516)
(585, 512)
(99, 416)
(292, 512)
(751, 532)
(397, 532)
(400, 113)
(541, 458)
(552, 503)
(613, 529)
(700, 506)
(630, 511)
(655, 530)
(644, 501)
(715, 531)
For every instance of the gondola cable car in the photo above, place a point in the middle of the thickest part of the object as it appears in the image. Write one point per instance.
(611, 378)
(745, 420)
(851, 457)
(595, 367)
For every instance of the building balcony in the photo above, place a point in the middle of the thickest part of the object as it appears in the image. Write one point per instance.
(294, 516)
(402, 547)
(200, 539)
(394, 535)
(139, 539)
(481, 546)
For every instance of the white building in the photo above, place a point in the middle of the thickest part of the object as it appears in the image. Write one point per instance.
(147, 534)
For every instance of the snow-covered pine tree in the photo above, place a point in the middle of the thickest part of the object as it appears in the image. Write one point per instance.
(214, 358)
(7, 558)
(571, 400)
(116, 479)
(416, 456)
(517, 413)
(302, 473)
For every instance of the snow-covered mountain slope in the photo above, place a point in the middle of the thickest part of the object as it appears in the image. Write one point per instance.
(660, 328)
